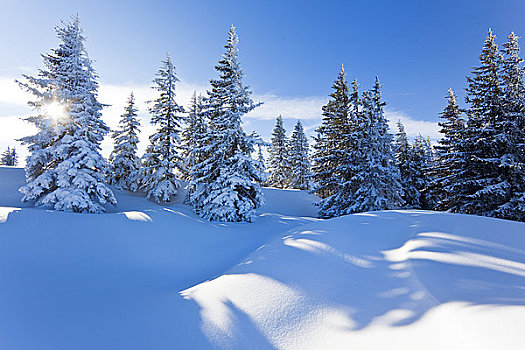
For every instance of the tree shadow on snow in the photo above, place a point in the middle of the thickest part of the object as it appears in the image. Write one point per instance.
(388, 268)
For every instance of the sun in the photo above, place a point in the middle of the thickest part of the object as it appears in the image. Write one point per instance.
(55, 110)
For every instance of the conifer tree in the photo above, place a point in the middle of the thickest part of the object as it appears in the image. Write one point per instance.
(328, 143)
(424, 160)
(260, 156)
(124, 164)
(14, 157)
(65, 168)
(299, 161)
(450, 163)
(513, 126)
(337, 150)
(260, 143)
(376, 183)
(9, 157)
(193, 133)
(409, 168)
(163, 161)
(225, 184)
(278, 161)
(484, 184)
(6, 157)
(430, 152)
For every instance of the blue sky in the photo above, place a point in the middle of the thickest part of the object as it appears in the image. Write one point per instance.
(290, 51)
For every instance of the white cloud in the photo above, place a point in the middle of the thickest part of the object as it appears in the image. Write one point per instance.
(413, 127)
(11, 93)
(117, 95)
(262, 118)
(295, 107)
(309, 109)
(13, 128)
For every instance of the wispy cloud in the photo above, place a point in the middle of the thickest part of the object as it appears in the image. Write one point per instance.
(308, 109)
(294, 107)
(413, 127)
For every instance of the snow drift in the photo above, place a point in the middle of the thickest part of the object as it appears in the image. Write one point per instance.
(159, 277)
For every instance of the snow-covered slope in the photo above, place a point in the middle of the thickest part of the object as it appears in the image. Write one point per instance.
(151, 277)
(395, 280)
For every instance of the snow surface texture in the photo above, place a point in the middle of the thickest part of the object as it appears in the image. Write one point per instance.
(148, 276)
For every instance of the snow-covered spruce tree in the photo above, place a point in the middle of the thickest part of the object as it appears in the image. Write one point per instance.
(9, 157)
(342, 126)
(300, 176)
(225, 185)
(260, 157)
(450, 163)
(194, 131)
(5, 159)
(424, 158)
(14, 157)
(333, 147)
(260, 143)
(278, 161)
(514, 130)
(262, 162)
(409, 169)
(124, 164)
(376, 181)
(485, 184)
(163, 162)
(430, 152)
(65, 168)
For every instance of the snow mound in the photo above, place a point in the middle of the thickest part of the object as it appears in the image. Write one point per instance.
(285, 202)
(146, 276)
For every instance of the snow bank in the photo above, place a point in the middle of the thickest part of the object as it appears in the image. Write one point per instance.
(145, 276)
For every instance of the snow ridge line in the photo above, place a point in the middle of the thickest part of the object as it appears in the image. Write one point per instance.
(278, 236)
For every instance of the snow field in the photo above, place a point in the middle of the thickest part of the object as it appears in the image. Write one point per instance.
(146, 276)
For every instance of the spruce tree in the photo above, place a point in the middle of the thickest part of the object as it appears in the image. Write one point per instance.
(192, 134)
(278, 161)
(449, 165)
(260, 157)
(299, 161)
(261, 163)
(225, 183)
(513, 127)
(65, 168)
(124, 164)
(376, 181)
(484, 185)
(329, 141)
(337, 150)
(424, 160)
(14, 157)
(7, 157)
(409, 164)
(163, 161)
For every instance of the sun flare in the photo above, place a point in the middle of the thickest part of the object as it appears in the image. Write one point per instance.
(55, 110)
